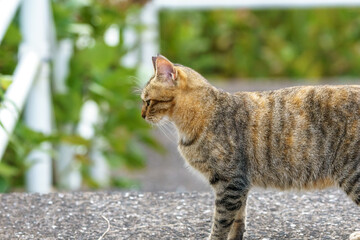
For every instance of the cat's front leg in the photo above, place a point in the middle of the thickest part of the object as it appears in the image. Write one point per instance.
(229, 215)
(238, 228)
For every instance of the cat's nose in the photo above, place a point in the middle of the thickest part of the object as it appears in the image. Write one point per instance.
(143, 114)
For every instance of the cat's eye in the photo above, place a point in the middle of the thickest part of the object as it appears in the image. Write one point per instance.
(148, 103)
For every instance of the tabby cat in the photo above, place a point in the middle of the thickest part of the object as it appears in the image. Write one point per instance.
(293, 138)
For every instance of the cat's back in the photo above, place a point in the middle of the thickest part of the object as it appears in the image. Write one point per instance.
(312, 102)
(304, 133)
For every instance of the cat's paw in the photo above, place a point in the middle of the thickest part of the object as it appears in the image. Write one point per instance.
(355, 236)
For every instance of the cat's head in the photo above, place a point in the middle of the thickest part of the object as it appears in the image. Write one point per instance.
(168, 87)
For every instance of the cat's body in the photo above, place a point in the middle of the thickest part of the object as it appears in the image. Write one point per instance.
(300, 137)
(293, 138)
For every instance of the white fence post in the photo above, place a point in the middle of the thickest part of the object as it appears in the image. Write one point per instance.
(38, 117)
(149, 40)
(36, 23)
(67, 172)
(131, 58)
(89, 117)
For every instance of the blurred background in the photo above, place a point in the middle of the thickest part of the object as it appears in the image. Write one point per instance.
(71, 72)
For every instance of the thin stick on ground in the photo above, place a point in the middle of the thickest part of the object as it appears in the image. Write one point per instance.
(108, 228)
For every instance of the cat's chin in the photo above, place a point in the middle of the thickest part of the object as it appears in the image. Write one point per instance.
(153, 121)
(158, 121)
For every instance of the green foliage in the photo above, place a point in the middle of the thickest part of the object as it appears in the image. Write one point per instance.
(95, 74)
(13, 165)
(5, 82)
(8, 49)
(125, 183)
(315, 43)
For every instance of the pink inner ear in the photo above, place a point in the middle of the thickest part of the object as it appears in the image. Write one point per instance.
(165, 68)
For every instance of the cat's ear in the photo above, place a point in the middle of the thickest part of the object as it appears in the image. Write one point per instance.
(154, 62)
(165, 70)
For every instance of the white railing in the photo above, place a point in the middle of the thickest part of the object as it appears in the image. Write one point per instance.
(38, 35)
(30, 92)
(15, 96)
(30, 86)
(149, 37)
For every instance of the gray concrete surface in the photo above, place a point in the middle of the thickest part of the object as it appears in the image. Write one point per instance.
(271, 215)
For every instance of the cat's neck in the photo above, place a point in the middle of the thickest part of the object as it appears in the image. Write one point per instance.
(193, 112)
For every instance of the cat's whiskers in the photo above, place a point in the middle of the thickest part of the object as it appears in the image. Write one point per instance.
(138, 88)
(164, 131)
(136, 80)
(137, 91)
(163, 126)
(171, 130)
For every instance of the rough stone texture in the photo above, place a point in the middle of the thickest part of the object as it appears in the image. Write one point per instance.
(271, 215)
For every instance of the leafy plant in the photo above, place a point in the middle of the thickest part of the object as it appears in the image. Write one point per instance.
(95, 74)
(296, 43)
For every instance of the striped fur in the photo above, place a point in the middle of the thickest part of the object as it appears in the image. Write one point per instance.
(293, 138)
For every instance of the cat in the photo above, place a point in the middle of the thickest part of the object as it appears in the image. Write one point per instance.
(293, 138)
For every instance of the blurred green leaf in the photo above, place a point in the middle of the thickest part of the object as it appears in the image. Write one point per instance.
(276, 43)
(4, 184)
(7, 171)
(5, 81)
(9, 47)
(75, 140)
(125, 183)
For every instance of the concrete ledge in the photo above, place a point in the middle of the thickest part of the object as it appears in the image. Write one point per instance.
(271, 215)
